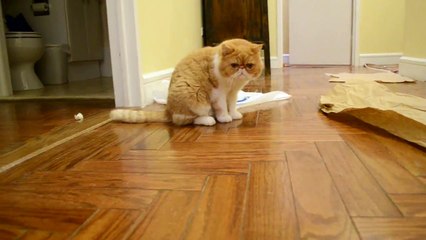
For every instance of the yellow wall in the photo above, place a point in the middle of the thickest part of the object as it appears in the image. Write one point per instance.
(169, 30)
(415, 29)
(381, 26)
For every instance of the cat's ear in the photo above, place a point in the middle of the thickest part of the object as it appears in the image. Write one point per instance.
(257, 48)
(226, 50)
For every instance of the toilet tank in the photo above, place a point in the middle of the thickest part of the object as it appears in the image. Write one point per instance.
(84, 27)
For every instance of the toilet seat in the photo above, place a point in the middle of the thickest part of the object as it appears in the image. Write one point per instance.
(23, 35)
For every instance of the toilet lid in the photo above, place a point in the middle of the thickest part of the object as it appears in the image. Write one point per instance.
(23, 35)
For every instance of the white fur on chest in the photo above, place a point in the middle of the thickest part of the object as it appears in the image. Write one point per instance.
(223, 83)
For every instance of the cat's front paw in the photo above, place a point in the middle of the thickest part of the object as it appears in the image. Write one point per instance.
(236, 115)
(224, 118)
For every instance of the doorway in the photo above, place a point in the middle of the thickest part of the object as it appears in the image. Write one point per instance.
(88, 77)
(321, 32)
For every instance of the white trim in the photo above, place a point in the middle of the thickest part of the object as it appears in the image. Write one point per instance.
(158, 75)
(413, 60)
(154, 81)
(379, 58)
(286, 58)
(355, 32)
(125, 59)
(5, 80)
(414, 68)
(276, 62)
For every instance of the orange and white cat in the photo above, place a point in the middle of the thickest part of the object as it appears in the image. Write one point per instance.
(204, 86)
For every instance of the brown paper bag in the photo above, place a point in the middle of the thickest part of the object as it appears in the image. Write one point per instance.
(383, 77)
(400, 114)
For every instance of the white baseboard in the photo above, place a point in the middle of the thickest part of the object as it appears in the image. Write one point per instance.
(276, 63)
(158, 75)
(414, 68)
(379, 58)
(153, 81)
(286, 59)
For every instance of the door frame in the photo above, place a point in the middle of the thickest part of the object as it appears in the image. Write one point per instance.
(6, 86)
(355, 32)
(125, 55)
(355, 60)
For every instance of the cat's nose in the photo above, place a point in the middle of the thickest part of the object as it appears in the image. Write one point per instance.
(242, 67)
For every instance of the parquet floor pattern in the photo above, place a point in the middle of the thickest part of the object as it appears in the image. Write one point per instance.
(286, 173)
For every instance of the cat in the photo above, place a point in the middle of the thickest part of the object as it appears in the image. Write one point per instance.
(204, 86)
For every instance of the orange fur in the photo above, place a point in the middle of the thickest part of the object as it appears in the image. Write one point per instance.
(204, 84)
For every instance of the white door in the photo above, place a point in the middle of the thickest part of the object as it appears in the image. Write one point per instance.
(320, 32)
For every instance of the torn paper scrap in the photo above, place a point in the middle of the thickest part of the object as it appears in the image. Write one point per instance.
(383, 77)
(400, 114)
(244, 99)
(261, 101)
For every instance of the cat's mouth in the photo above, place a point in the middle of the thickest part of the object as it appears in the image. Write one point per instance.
(241, 75)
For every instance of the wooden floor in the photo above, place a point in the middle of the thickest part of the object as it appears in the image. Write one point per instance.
(286, 173)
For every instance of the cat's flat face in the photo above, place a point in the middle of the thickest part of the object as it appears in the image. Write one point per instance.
(240, 60)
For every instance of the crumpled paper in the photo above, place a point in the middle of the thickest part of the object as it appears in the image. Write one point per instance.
(401, 114)
(383, 77)
(246, 102)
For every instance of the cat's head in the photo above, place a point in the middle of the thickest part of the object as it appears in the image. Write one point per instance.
(240, 59)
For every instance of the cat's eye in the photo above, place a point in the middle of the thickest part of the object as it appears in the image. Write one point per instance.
(249, 65)
(235, 65)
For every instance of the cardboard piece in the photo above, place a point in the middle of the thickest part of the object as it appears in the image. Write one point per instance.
(383, 77)
(400, 114)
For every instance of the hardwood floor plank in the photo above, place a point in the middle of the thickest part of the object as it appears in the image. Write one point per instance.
(168, 218)
(44, 235)
(114, 151)
(65, 156)
(282, 128)
(47, 219)
(413, 158)
(109, 224)
(269, 147)
(185, 134)
(154, 141)
(290, 137)
(56, 136)
(175, 167)
(110, 135)
(10, 232)
(219, 213)
(411, 205)
(250, 119)
(243, 156)
(360, 192)
(77, 198)
(270, 212)
(391, 228)
(90, 180)
(320, 210)
(383, 165)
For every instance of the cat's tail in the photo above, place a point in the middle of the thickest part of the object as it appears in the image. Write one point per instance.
(139, 116)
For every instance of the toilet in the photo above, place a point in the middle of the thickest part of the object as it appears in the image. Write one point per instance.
(24, 50)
